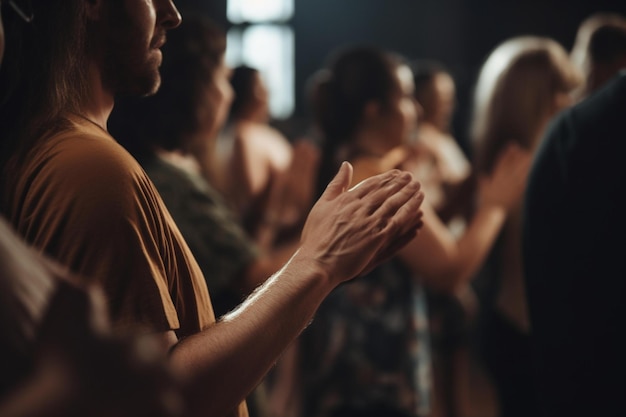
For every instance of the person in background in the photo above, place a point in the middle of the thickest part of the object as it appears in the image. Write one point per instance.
(573, 258)
(446, 169)
(446, 175)
(71, 191)
(522, 85)
(367, 352)
(258, 163)
(599, 50)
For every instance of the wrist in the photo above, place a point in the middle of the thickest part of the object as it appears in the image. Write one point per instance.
(308, 267)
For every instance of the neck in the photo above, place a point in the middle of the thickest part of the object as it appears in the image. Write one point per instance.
(98, 106)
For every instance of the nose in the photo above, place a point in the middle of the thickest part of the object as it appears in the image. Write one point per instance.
(168, 15)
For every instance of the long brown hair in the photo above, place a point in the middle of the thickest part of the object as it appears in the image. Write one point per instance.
(515, 95)
(354, 76)
(43, 75)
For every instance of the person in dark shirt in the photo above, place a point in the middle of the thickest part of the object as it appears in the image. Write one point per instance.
(574, 250)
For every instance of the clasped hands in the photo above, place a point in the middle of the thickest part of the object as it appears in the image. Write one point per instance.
(350, 231)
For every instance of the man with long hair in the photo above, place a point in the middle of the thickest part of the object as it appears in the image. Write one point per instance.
(71, 191)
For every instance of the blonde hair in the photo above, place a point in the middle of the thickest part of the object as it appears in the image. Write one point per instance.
(515, 95)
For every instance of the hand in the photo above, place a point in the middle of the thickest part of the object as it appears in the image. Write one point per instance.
(507, 182)
(349, 232)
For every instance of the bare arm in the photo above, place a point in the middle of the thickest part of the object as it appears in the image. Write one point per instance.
(346, 233)
(446, 263)
(266, 265)
(290, 199)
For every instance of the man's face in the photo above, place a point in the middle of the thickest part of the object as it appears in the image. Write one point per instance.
(134, 31)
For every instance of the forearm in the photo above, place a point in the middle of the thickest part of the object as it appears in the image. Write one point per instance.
(476, 243)
(267, 264)
(443, 263)
(348, 231)
(230, 358)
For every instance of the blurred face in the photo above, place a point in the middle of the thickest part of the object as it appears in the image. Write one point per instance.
(400, 117)
(444, 100)
(217, 98)
(133, 32)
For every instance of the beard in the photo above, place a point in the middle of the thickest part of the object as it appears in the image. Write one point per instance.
(127, 75)
(131, 65)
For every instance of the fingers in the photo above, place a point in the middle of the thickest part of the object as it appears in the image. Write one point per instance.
(408, 217)
(390, 203)
(340, 183)
(368, 186)
(387, 252)
(403, 226)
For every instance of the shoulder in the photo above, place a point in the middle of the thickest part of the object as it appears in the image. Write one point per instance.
(88, 152)
(590, 134)
(83, 168)
(260, 136)
(76, 152)
(601, 113)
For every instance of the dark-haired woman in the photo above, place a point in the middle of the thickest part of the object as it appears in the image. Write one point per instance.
(367, 352)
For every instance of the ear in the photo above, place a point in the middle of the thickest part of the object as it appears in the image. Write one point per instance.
(94, 9)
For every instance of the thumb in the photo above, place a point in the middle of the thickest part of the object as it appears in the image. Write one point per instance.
(340, 183)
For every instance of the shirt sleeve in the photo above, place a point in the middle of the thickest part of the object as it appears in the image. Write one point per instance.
(93, 209)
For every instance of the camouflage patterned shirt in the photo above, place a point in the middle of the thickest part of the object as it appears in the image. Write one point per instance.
(218, 242)
(368, 348)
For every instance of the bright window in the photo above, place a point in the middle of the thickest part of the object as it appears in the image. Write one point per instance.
(267, 45)
(259, 11)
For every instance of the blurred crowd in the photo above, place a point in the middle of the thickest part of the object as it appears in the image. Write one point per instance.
(167, 250)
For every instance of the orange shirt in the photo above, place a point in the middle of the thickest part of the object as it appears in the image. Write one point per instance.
(84, 200)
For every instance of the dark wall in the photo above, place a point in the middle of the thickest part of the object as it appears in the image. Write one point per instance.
(460, 33)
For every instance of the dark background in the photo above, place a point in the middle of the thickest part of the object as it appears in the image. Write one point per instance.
(459, 33)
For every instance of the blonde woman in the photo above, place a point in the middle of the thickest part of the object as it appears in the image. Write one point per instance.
(524, 82)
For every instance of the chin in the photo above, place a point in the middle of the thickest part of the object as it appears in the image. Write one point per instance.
(153, 88)
(150, 81)
(136, 83)
(145, 85)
